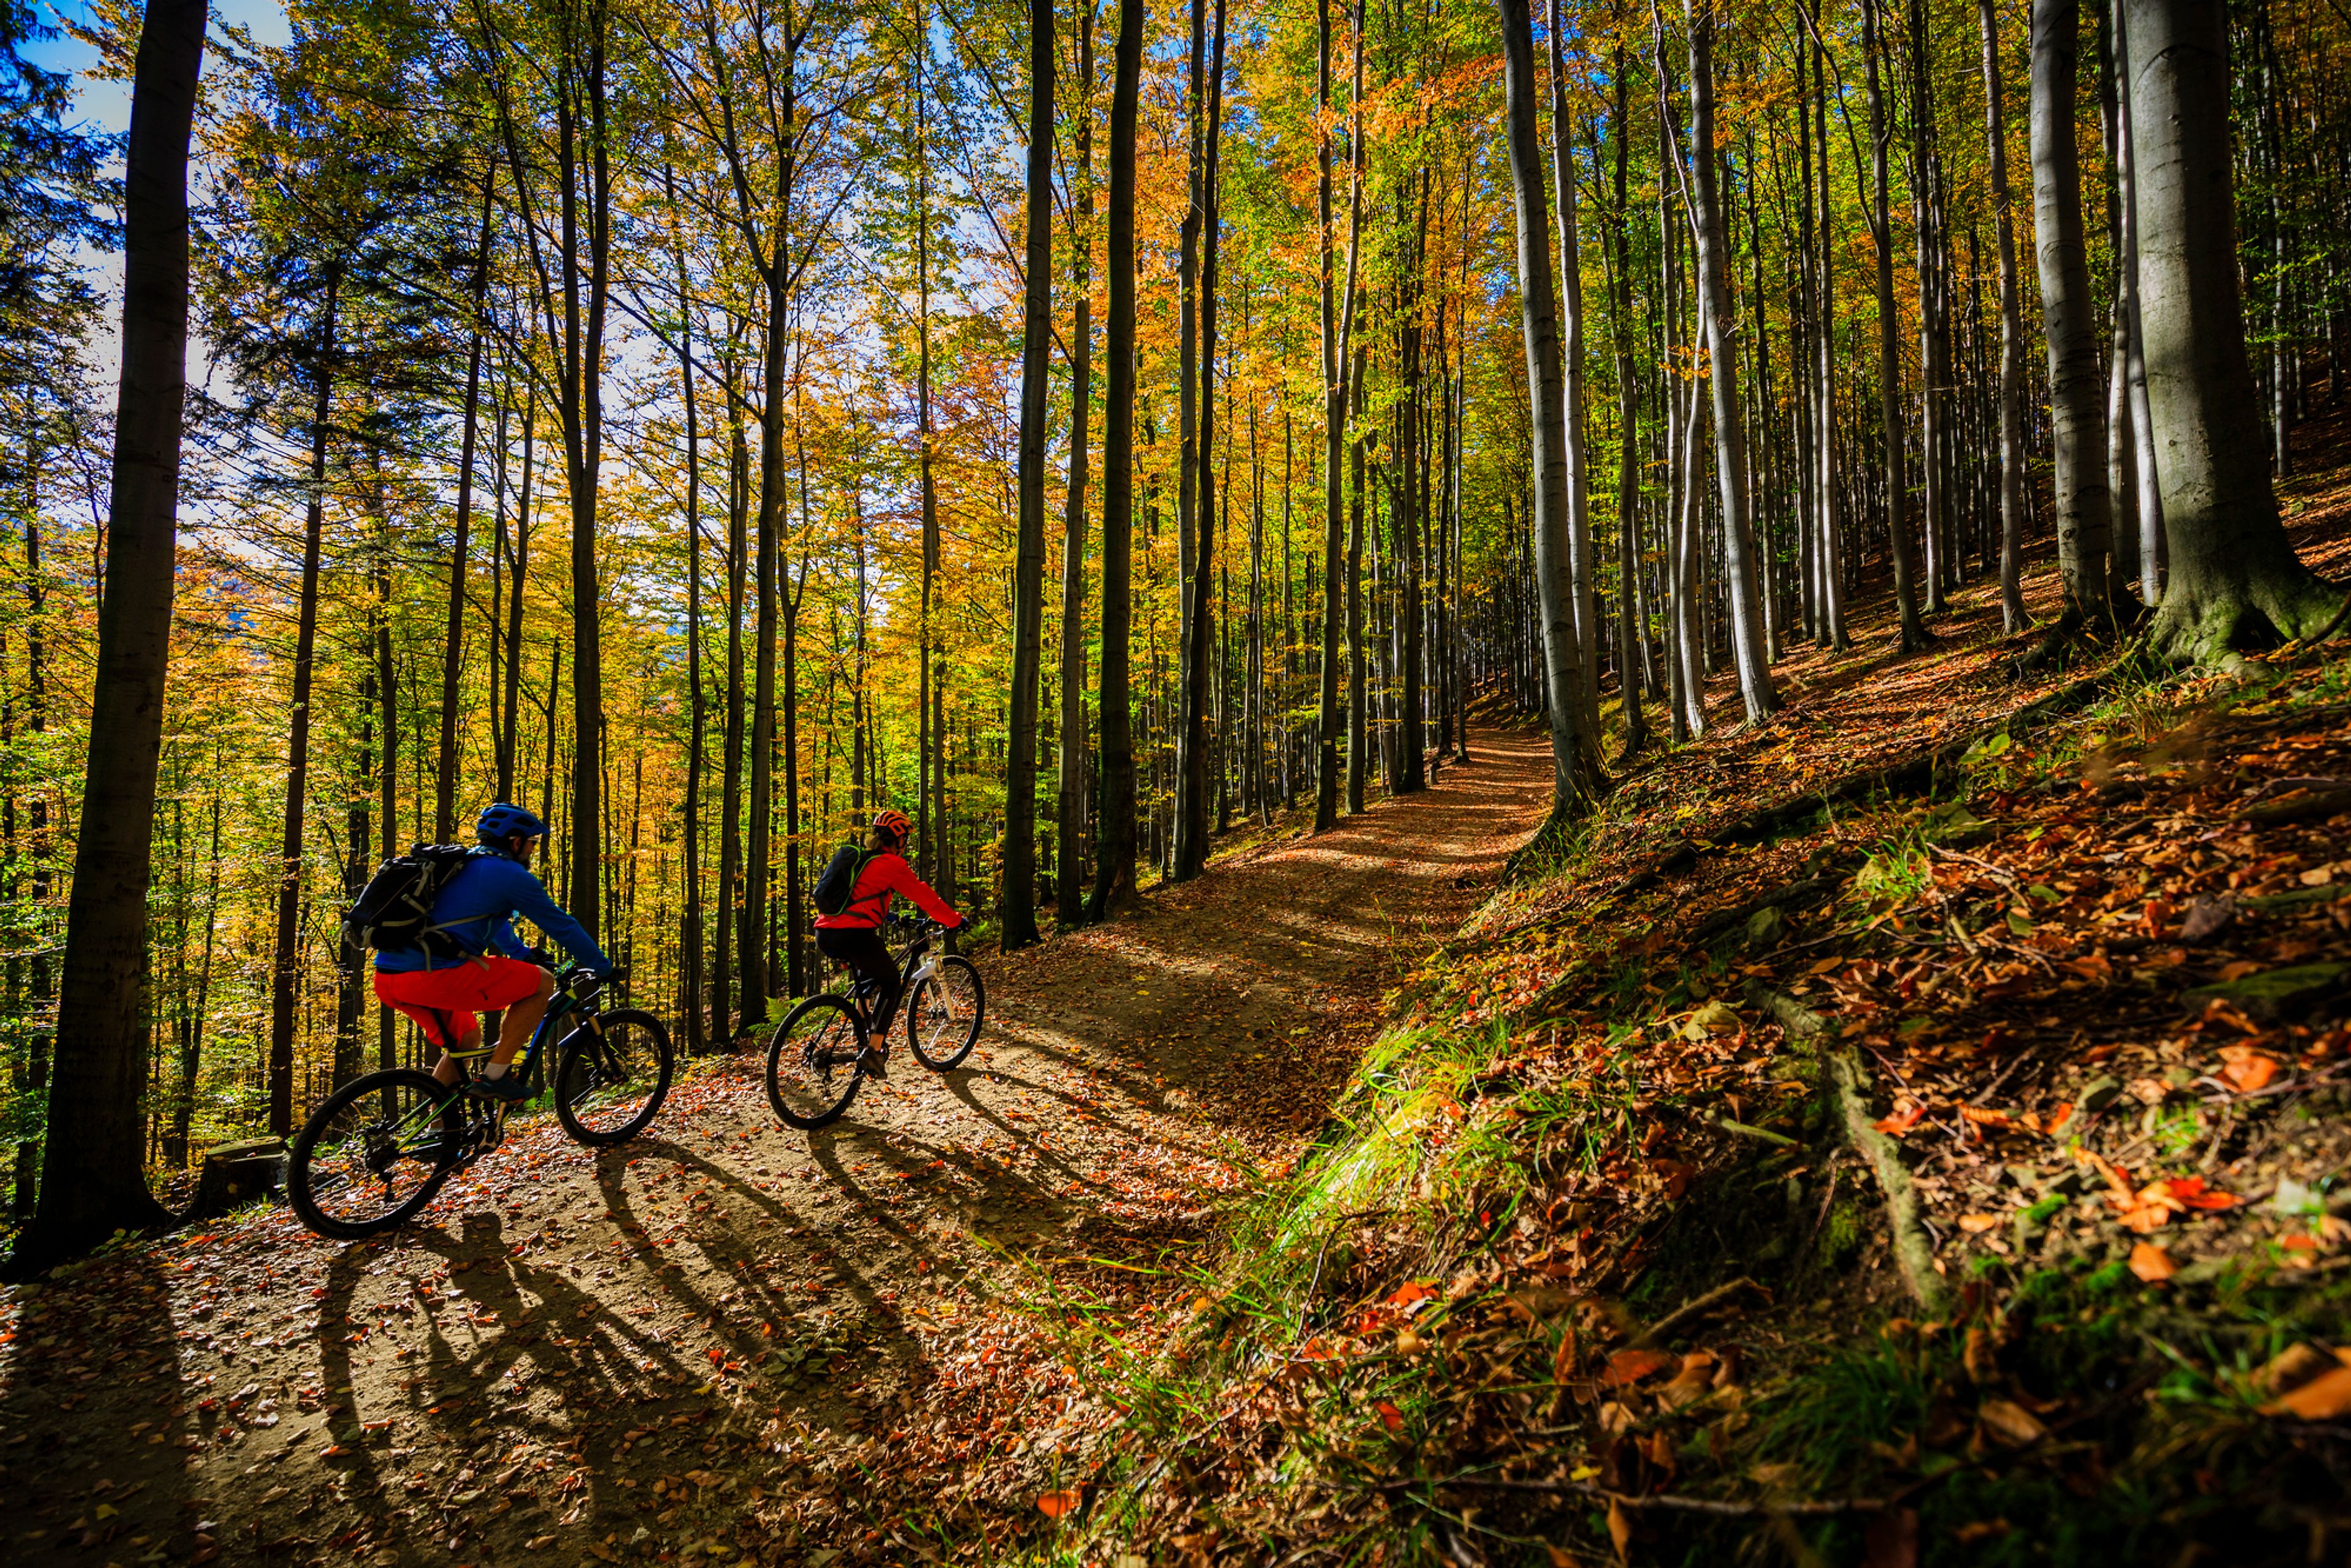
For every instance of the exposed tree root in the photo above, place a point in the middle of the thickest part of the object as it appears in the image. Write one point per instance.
(2214, 628)
(1847, 1081)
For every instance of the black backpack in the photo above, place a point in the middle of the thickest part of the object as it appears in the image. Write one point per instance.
(830, 894)
(393, 913)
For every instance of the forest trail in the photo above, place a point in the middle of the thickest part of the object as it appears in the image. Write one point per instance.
(729, 1341)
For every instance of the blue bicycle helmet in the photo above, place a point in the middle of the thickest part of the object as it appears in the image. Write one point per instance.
(502, 821)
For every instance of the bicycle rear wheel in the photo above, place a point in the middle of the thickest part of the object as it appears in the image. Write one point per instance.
(614, 1075)
(374, 1152)
(815, 1062)
(944, 1014)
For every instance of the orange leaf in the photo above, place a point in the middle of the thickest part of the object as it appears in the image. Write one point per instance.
(2323, 1398)
(1620, 1529)
(2238, 970)
(2062, 1114)
(1629, 1366)
(1054, 1504)
(1901, 1122)
(1390, 1416)
(2152, 1263)
(1977, 1224)
(1562, 1365)
(1675, 1176)
(1411, 1291)
(2246, 1068)
(1981, 1118)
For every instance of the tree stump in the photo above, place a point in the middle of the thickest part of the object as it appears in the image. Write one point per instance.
(236, 1174)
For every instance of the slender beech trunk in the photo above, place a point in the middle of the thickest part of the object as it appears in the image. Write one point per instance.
(731, 786)
(1019, 903)
(285, 967)
(1191, 573)
(1338, 320)
(1114, 872)
(689, 936)
(1070, 803)
(2014, 516)
(509, 732)
(93, 1179)
(1633, 634)
(1562, 671)
(1359, 754)
(2147, 501)
(1580, 565)
(1730, 422)
(1889, 353)
(2077, 377)
(1830, 541)
(453, 646)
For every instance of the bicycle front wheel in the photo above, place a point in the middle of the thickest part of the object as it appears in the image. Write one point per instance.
(944, 1014)
(375, 1152)
(814, 1062)
(614, 1075)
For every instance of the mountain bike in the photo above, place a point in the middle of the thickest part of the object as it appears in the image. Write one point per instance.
(823, 1051)
(377, 1149)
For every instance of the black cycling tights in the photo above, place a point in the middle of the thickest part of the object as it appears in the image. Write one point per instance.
(868, 957)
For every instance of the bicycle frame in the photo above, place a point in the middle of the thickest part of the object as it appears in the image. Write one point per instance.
(860, 991)
(564, 1003)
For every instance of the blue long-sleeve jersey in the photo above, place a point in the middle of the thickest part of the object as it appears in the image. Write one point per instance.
(478, 909)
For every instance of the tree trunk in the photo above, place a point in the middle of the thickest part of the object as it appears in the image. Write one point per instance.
(509, 730)
(689, 936)
(1070, 802)
(1337, 320)
(1114, 884)
(1889, 354)
(2076, 365)
(730, 784)
(1582, 569)
(453, 646)
(93, 1179)
(285, 967)
(1633, 632)
(1730, 422)
(2235, 580)
(1562, 669)
(2014, 516)
(2147, 503)
(1019, 895)
(751, 940)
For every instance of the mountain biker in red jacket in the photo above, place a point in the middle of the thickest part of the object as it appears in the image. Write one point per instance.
(854, 937)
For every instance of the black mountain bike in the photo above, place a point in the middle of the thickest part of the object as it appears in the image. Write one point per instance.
(824, 1048)
(374, 1154)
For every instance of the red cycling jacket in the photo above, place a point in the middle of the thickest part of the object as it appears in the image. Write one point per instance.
(885, 874)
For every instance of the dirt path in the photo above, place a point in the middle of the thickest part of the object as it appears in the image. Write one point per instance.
(727, 1341)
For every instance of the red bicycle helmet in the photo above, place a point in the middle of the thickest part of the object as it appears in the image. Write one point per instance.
(894, 823)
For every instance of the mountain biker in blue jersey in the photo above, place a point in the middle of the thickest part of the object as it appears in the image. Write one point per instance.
(495, 967)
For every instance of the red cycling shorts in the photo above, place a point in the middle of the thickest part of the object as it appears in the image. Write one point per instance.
(444, 1001)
